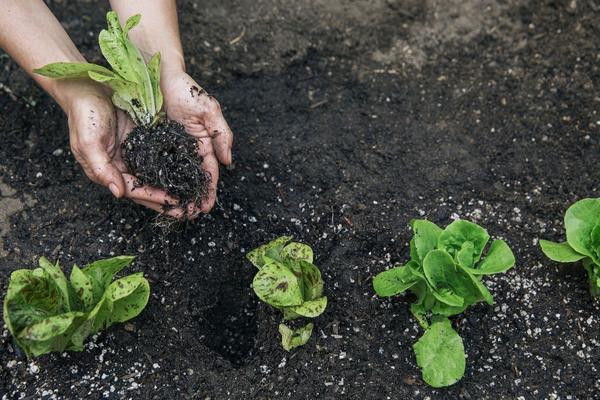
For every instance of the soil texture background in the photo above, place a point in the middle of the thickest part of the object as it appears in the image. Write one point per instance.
(351, 118)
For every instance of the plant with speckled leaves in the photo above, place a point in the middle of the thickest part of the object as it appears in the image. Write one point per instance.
(444, 274)
(45, 312)
(582, 223)
(135, 83)
(289, 281)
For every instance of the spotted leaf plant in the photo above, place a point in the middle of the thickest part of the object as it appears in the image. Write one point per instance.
(135, 83)
(45, 312)
(444, 275)
(288, 280)
(582, 223)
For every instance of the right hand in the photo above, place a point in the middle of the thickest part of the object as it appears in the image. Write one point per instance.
(96, 131)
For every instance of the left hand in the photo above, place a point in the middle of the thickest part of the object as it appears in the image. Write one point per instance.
(187, 103)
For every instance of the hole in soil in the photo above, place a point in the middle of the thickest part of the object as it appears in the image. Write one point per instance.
(229, 326)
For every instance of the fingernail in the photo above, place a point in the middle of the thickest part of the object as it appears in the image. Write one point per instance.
(114, 190)
(229, 156)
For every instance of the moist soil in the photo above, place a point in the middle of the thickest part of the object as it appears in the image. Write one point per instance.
(351, 119)
(165, 156)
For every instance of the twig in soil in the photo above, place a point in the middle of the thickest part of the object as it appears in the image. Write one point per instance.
(319, 104)
(8, 91)
(238, 37)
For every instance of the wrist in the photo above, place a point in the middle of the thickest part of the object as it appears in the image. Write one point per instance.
(67, 92)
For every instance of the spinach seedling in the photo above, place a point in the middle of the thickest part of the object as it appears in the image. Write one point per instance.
(444, 273)
(582, 222)
(158, 152)
(288, 280)
(45, 312)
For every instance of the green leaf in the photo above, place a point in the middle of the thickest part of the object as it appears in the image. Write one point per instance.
(274, 247)
(298, 251)
(125, 95)
(443, 273)
(580, 220)
(127, 61)
(131, 22)
(101, 273)
(465, 256)
(128, 297)
(82, 284)
(291, 338)
(440, 354)
(560, 252)
(63, 70)
(394, 281)
(500, 259)
(154, 73)
(448, 297)
(50, 334)
(57, 278)
(426, 235)
(438, 266)
(483, 292)
(459, 232)
(311, 280)
(276, 285)
(311, 308)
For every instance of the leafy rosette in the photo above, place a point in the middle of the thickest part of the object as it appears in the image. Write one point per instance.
(289, 281)
(582, 223)
(45, 312)
(444, 273)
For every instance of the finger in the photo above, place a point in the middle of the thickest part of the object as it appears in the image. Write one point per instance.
(98, 167)
(176, 213)
(218, 130)
(136, 191)
(211, 166)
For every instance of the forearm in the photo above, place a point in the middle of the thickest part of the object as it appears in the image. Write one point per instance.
(33, 37)
(158, 30)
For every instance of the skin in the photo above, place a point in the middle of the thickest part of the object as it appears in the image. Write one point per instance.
(33, 37)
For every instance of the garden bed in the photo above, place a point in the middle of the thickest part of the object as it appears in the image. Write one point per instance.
(350, 120)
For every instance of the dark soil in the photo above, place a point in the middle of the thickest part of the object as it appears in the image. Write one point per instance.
(351, 118)
(166, 157)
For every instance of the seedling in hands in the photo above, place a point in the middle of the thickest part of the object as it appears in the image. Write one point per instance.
(45, 312)
(158, 152)
(289, 281)
(444, 273)
(582, 222)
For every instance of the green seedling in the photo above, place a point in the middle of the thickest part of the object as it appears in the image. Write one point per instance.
(288, 280)
(444, 273)
(45, 312)
(157, 151)
(135, 83)
(582, 222)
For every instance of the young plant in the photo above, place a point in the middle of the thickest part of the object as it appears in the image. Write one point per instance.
(444, 273)
(159, 152)
(289, 281)
(45, 312)
(582, 222)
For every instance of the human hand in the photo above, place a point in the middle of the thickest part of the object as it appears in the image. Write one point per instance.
(187, 103)
(96, 132)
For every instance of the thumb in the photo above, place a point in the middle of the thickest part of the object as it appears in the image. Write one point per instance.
(101, 170)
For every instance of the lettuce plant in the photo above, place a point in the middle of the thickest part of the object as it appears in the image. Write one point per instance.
(288, 280)
(582, 223)
(135, 83)
(444, 273)
(45, 312)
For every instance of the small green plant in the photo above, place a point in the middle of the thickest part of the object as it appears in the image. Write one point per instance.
(45, 312)
(148, 151)
(582, 222)
(135, 84)
(444, 273)
(289, 281)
